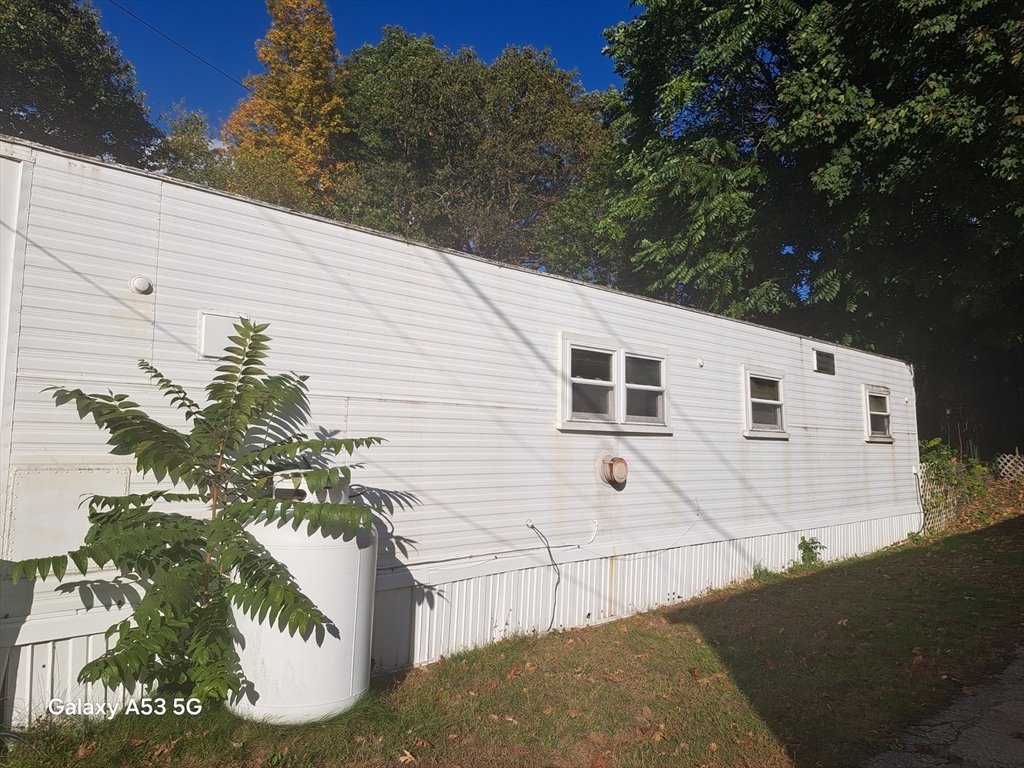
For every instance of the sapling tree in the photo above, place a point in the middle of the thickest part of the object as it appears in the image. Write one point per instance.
(194, 569)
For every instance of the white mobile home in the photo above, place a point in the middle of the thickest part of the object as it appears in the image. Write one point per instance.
(504, 396)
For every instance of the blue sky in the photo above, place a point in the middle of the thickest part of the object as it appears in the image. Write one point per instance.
(224, 33)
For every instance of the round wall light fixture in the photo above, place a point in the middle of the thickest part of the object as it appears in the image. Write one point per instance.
(141, 284)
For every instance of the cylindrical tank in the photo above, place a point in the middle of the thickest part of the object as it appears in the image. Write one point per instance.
(296, 679)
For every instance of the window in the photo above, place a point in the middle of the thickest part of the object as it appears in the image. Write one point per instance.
(877, 421)
(765, 416)
(824, 362)
(593, 390)
(612, 388)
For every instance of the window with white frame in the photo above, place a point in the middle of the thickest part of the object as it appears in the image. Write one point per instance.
(878, 423)
(611, 387)
(764, 391)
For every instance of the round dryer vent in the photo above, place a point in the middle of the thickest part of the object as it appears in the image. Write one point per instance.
(616, 470)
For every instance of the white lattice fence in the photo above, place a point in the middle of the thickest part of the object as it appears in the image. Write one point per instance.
(1009, 466)
(940, 499)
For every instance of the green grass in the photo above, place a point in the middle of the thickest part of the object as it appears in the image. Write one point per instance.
(818, 667)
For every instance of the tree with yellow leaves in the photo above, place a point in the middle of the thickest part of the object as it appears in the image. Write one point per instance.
(279, 139)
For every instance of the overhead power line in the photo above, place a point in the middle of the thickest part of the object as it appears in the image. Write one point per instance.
(191, 53)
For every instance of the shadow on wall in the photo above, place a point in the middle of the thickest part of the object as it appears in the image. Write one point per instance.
(15, 605)
(398, 594)
(838, 662)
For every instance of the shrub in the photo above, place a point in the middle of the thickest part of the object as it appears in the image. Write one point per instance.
(193, 569)
(948, 480)
(810, 550)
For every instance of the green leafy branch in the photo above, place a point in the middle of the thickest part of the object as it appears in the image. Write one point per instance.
(195, 569)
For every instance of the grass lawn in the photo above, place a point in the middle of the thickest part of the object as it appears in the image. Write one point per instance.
(822, 666)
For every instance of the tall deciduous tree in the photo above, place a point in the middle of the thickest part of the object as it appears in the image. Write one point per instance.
(280, 138)
(63, 83)
(859, 162)
(187, 151)
(458, 152)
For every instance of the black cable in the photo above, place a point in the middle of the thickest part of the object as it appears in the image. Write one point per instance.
(186, 50)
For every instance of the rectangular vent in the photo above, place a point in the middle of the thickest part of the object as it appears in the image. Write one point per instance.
(825, 362)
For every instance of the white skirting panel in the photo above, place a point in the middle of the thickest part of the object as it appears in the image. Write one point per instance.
(420, 624)
(32, 675)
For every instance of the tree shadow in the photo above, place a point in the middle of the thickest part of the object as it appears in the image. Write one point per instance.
(839, 660)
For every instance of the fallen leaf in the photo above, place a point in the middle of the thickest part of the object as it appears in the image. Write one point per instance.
(453, 736)
(642, 656)
(422, 743)
(513, 672)
(613, 678)
(494, 718)
(511, 719)
(548, 710)
(843, 623)
(698, 641)
(491, 685)
(139, 742)
(359, 739)
(695, 673)
(599, 761)
(406, 757)
(163, 752)
(573, 712)
(530, 668)
(712, 746)
(472, 693)
(967, 691)
(570, 642)
(671, 699)
(769, 662)
(84, 750)
(659, 734)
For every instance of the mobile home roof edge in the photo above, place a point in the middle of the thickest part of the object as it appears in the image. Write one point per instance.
(440, 249)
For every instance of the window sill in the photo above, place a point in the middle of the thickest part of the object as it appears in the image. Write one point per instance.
(608, 427)
(879, 439)
(757, 434)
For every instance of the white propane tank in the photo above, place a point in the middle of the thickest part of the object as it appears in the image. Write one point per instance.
(298, 680)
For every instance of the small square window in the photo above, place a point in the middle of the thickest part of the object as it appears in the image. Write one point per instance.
(765, 415)
(824, 362)
(645, 394)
